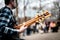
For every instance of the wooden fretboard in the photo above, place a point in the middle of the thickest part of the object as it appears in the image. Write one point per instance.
(41, 17)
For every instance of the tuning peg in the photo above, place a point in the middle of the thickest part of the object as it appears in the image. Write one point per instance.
(37, 15)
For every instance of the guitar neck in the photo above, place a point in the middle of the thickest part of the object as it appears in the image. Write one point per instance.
(28, 23)
(41, 17)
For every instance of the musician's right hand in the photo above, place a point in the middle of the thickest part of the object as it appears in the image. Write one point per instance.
(22, 28)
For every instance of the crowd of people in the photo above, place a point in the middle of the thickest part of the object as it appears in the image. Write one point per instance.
(45, 27)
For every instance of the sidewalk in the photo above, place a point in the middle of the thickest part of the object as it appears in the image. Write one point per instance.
(44, 36)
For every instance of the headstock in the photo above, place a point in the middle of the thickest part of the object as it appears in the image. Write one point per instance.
(45, 15)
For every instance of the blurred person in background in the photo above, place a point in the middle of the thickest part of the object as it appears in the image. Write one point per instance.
(38, 26)
(28, 30)
(47, 26)
(58, 25)
(44, 27)
(53, 26)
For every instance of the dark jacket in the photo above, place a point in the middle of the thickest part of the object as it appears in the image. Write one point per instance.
(7, 22)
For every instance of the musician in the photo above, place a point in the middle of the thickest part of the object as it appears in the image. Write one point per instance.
(7, 21)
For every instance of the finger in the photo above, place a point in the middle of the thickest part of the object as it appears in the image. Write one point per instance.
(23, 28)
(24, 24)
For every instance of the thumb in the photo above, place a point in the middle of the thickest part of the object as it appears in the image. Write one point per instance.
(22, 28)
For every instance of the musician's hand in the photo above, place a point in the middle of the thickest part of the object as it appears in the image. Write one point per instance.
(22, 28)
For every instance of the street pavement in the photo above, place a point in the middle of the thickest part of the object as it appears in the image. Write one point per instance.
(44, 36)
